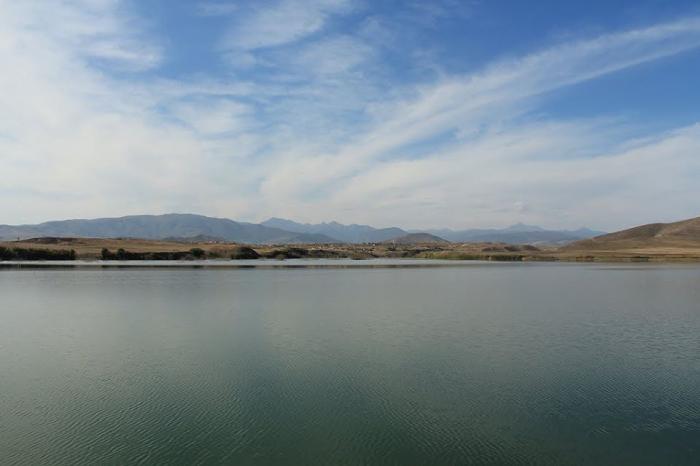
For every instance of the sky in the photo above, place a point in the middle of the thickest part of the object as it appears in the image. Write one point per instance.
(448, 113)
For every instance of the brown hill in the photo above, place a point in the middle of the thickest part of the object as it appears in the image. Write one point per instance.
(676, 235)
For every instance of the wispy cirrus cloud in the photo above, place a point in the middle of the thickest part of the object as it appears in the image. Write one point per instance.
(495, 96)
(101, 30)
(281, 22)
(319, 132)
(333, 55)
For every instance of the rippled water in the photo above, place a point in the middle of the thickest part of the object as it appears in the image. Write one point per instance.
(484, 363)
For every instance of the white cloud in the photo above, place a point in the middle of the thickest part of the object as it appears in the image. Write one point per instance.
(212, 118)
(321, 141)
(97, 29)
(280, 23)
(487, 99)
(334, 55)
(487, 179)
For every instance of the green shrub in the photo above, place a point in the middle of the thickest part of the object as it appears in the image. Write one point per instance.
(30, 254)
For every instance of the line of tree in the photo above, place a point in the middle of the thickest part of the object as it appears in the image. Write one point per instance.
(32, 254)
(124, 255)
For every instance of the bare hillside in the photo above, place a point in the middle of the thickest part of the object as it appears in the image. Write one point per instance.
(683, 234)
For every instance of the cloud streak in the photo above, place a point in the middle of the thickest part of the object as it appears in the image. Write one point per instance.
(318, 134)
(280, 23)
(473, 104)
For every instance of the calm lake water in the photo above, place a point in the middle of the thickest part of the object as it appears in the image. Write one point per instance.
(476, 364)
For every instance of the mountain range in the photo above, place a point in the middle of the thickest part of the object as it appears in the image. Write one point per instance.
(170, 226)
(274, 231)
(346, 233)
(516, 234)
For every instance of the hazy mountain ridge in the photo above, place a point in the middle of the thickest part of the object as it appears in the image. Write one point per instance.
(182, 227)
(162, 226)
(353, 233)
(516, 234)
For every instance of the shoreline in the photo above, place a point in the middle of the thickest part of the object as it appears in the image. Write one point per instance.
(378, 263)
(123, 251)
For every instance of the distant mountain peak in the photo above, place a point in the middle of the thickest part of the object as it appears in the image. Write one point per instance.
(274, 230)
(163, 226)
(348, 233)
(523, 227)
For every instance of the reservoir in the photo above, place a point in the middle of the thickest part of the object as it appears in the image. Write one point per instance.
(352, 362)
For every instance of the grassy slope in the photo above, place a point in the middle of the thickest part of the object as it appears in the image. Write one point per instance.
(670, 241)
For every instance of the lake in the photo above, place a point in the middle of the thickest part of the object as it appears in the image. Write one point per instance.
(470, 363)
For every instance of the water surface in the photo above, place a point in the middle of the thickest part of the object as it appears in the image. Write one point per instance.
(471, 364)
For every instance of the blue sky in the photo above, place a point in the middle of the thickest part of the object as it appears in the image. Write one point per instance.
(417, 114)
